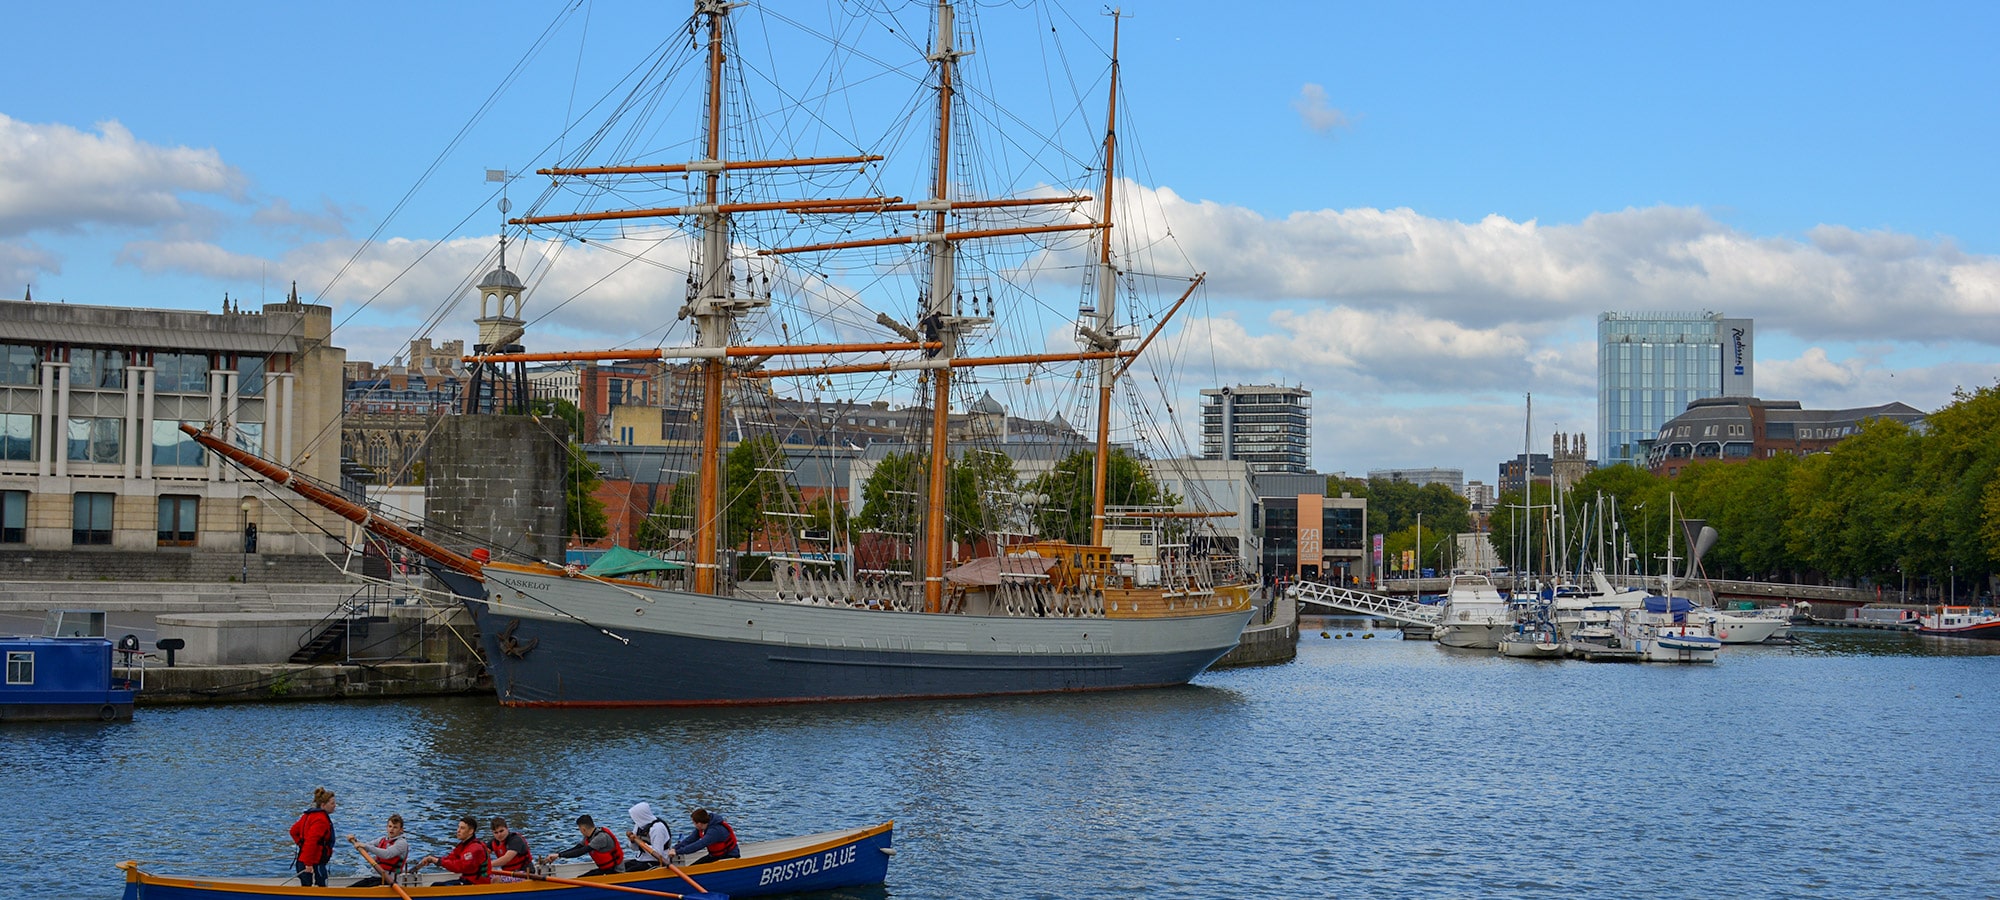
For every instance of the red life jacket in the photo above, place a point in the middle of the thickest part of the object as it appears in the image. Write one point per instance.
(520, 864)
(609, 858)
(390, 863)
(468, 864)
(723, 846)
(314, 849)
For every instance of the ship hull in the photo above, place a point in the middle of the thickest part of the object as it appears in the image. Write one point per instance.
(621, 646)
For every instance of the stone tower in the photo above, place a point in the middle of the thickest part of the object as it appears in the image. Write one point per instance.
(1569, 460)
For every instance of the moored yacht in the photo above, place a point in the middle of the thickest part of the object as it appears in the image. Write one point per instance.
(1475, 615)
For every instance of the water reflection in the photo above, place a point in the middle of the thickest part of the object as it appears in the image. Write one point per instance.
(1366, 768)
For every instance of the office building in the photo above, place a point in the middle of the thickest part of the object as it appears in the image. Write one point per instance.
(1267, 426)
(1650, 366)
(1451, 478)
(1733, 429)
(92, 458)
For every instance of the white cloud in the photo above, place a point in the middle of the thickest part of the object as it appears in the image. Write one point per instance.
(1316, 110)
(279, 215)
(20, 262)
(1837, 284)
(56, 177)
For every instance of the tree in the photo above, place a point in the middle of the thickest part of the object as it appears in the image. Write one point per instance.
(892, 499)
(1395, 505)
(1520, 539)
(982, 484)
(1071, 487)
(755, 485)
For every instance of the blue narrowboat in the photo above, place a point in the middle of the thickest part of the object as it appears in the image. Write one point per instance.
(56, 678)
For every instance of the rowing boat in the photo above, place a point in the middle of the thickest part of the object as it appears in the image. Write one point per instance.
(813, 862)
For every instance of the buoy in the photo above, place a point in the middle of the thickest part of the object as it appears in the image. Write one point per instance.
(1350, 634)
(1336, 637)
(1324, 635)
(1368, 635)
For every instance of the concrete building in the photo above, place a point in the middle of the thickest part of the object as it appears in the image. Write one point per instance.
(1528, 468)
(392, 410)
(1650, 366)
(1267, 426)
(1290, 505)
(1451, 478)
(1733, 429)
(92, 459)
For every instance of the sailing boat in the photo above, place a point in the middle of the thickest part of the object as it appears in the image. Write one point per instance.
(1041, 616)
(1661, 628)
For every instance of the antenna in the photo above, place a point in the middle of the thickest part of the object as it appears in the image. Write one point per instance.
(505, 206)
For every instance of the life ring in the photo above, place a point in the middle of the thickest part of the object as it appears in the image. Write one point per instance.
(106, 713)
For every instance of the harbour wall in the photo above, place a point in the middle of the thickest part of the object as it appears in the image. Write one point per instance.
(1273, 642)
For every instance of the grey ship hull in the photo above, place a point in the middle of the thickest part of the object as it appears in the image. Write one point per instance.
(556, 641)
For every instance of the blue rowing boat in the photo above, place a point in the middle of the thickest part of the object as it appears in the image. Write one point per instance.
(814, 862)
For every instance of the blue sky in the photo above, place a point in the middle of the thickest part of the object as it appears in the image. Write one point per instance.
(1416, 210)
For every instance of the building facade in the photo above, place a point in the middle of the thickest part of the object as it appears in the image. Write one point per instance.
(1451, 478)
(91, 403)
(1733, 429)
(1650, 366)
(1267, 426)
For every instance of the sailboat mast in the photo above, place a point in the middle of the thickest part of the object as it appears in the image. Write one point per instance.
(1106, 338)
(711, 308)
(940, 314)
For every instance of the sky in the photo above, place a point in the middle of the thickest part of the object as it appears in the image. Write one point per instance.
(1415, 210)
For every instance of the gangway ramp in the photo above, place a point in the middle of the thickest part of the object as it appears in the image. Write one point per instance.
(1408, 612)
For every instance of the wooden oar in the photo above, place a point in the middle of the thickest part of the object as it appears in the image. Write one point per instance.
(387, 878)
(577, 882)
(663, 861)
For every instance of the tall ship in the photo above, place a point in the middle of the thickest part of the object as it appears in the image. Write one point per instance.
(958, 580)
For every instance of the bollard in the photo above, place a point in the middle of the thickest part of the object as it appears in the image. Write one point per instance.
(170, 645)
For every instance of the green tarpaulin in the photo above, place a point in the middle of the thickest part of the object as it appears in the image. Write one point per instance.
(620, 561)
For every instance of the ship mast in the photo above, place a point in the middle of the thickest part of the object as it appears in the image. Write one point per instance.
(1105, 337)
(940, 322)
(712, 307)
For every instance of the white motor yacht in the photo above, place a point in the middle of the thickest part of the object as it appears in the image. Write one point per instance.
(1475, 616)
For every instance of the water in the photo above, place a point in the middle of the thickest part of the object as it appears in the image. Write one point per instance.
(1855, 764)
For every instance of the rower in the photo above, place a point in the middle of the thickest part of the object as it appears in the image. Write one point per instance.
(600, 843)
(711, 832)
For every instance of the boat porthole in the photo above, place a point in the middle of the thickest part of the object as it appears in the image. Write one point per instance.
(107, 713)
(639, 611)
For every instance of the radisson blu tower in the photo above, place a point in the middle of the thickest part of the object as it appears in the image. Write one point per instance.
(1651, 365)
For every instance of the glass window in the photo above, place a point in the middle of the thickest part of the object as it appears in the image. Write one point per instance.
(96, 368)
(181, 373)
(173, 447)
(96, 440)
(20, 667)
(20, 364)
(250, 436)
(13, 517)
(250, 370)
(91, 524)
(17, 436)
(177, 520)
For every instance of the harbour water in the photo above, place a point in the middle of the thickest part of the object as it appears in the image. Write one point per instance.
(1853, 764)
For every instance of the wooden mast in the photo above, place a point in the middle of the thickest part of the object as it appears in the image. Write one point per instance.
(938, 317)
(712, 310)
(1105, 337)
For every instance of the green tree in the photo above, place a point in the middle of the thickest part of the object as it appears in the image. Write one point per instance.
(982, 487)
(1960, 461)
(1395, 505)
(755, 486)
(892, 499)
(1070, 486)
(1520, 539)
